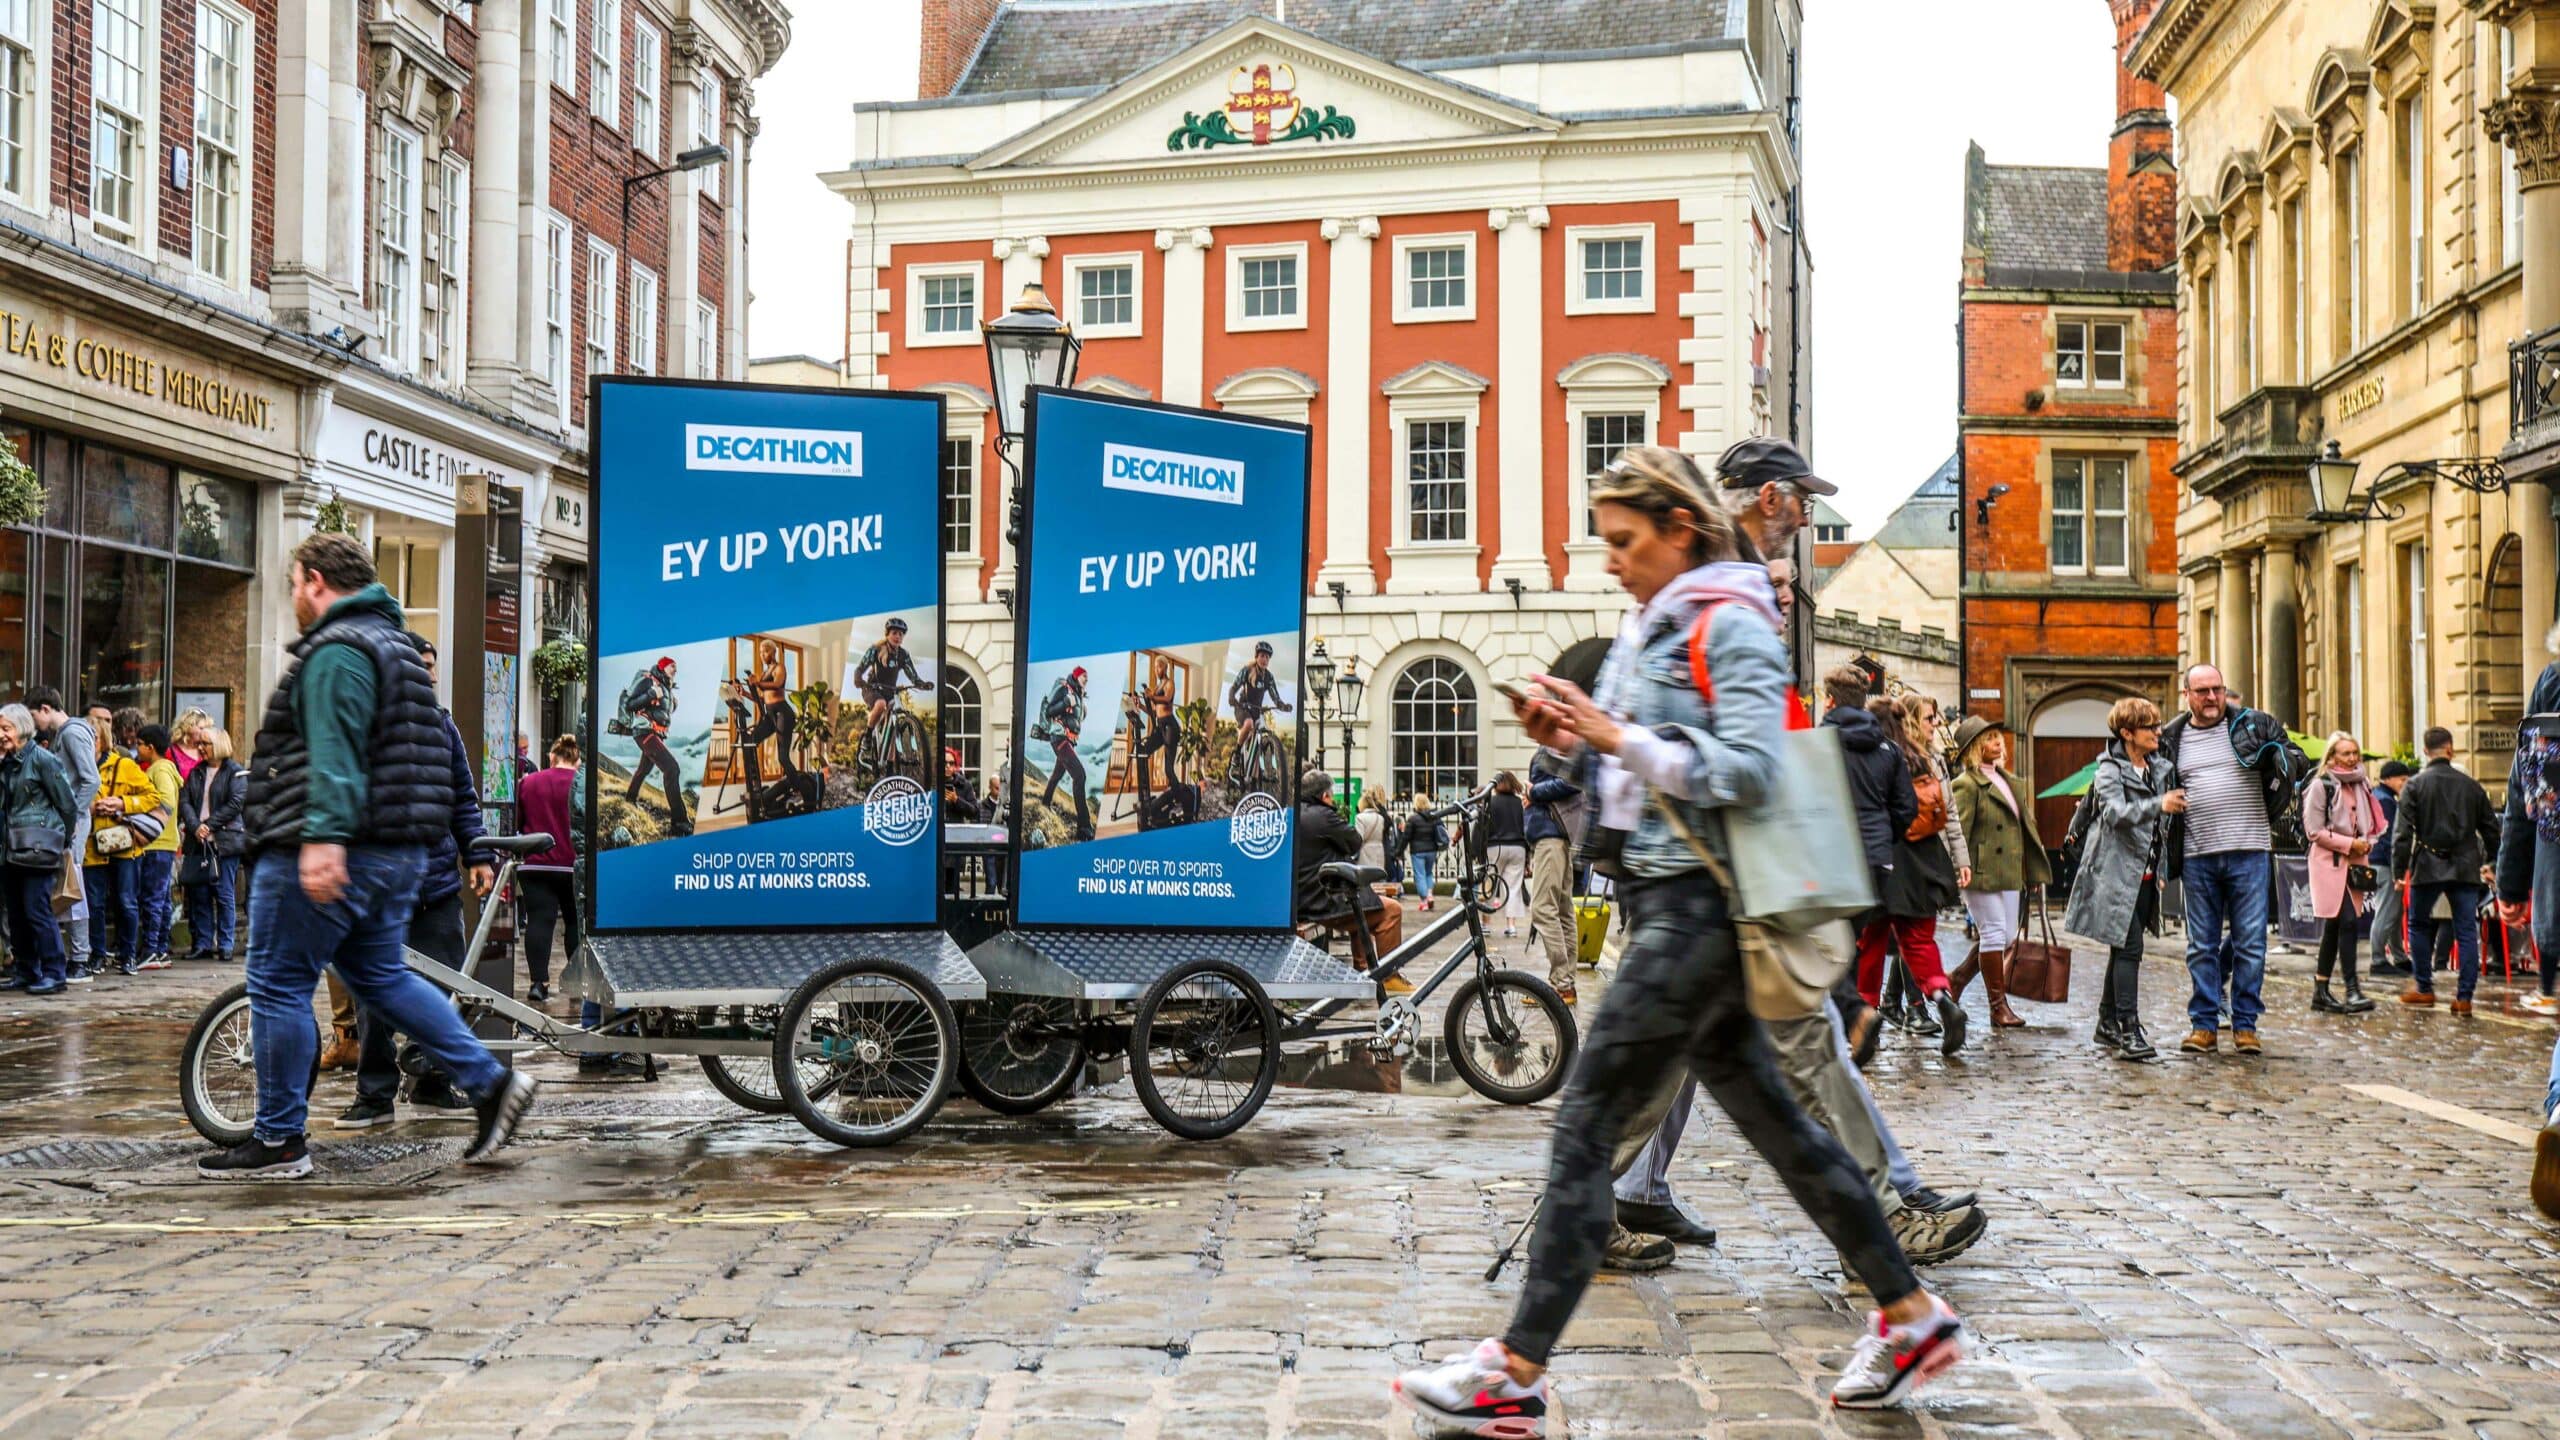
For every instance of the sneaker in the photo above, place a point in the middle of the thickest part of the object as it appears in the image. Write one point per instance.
(1950, 1018)
(1634, 1254)
(14, 982)
(47, 987)
(2199, 1042)
(499, 1115)
(80, 974)
(2539, 1005)
(1566, 993)
(2132, 1044)
(1473, 1394)
(1895, 1360)
(434, 1094)
(153, 962)
(127, 967)
(363, 1115)
(255, 1159)
(1921, 1197)
(2546, 1166)
(1931, 1237)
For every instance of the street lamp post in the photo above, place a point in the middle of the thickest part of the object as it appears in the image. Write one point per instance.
(1333, 697)
(2335, 499)
(689, 160)
(1028, 346)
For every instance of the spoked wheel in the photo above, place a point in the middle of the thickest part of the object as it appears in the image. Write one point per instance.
(1019, 1053)
(747, 1080)
(1261, 768)
(1206, 1049)
(218, 1071)
(1511, 1036)
(903, 754)
(865, 1052)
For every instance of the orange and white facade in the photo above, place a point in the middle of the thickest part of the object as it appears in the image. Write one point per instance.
(1492, 275)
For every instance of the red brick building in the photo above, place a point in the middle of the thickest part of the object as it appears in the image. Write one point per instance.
(2068, 358)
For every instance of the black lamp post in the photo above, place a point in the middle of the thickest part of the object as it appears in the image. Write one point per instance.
(1333, 698)
(689, 160)
(2334, 498)
(1028, 346)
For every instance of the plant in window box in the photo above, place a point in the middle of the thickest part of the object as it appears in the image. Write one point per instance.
(332, 517)
(559, 664)
(199, 525)
(21, 491)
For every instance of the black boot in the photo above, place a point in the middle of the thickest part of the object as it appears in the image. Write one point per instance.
(2324, 1002)
(2107, 1035)
(2357, 1002)
(2134, 1045)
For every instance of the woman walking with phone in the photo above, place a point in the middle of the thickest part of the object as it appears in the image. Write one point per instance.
(2115, 899)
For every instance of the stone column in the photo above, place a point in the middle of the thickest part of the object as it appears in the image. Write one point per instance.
(497, 83)
(350, 156)
(739, 134)
(684, 205)
(1186, 280)
(532, 206)
(2235, 625)
(2527, 120)
(1521, 425)
(304, 295)
(2279, 691)
(1347, 408)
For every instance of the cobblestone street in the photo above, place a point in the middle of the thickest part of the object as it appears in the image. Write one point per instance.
(2313, 1244)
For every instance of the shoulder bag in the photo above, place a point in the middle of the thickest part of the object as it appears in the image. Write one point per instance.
(2040, 970)
(1787, 973)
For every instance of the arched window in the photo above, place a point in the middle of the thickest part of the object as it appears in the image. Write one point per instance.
(963, 719)
(1435, 729)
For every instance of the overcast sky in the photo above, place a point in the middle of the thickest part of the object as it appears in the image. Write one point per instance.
(1885, 131)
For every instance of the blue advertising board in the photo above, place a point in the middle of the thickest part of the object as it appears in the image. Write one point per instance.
(1166, 555)
(768, 645)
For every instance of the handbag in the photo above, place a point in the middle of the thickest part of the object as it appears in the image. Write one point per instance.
(112, 840)
(37, 847)
(2040, 970)
(2363, 879)
(1788, 969)
(68, 888)
(146, 825)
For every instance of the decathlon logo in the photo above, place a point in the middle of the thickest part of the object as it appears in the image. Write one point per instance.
(897, 811)
(1161, 472)
(1258, 827)
(764, 451)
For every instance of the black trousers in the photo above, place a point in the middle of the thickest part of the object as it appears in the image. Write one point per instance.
(435, 931)
(550, 900)
(1678, 999)
(772, 722)
(1070, 769)
(654, 755)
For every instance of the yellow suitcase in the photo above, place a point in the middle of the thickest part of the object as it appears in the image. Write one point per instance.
(1590, 927)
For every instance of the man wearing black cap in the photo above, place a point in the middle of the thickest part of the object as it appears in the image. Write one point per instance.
(2390, 946)
(1765, 484)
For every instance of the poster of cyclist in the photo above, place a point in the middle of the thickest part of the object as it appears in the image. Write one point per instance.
(1160, 630)
(762, 758)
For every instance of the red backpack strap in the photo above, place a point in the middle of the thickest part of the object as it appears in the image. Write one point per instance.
(1799, 717)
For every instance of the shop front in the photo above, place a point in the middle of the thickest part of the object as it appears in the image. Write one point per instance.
(558, 564)
(161, 463)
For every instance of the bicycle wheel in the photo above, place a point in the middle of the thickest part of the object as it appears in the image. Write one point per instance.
(1205, 1051)
(1019, 1053)
(905, 751)
(1510, 1036)
(217, 1070)
(865, 1052)
(1262, 765)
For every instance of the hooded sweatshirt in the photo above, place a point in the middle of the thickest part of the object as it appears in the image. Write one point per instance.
(1645, 758)
(1879, 781)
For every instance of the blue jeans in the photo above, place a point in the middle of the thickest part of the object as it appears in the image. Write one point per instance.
(2227, 937)
(361, 933)
(2551, 1097)
(151, 882)
(35, 944)
(1424, 863)
(210, 906)
(2465, 900)
(114, 901)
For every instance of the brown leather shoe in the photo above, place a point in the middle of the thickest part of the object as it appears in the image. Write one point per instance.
(340, 1053)
(2199, 1042)
(2461, 1007)
(2418, 997)
(2245, 1041)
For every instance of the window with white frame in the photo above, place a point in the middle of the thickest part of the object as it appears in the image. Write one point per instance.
(1105, 288)
(2510, 189)
(444, 332)
(963, 718)
(604, 63)
(706, 341)
(706, 124)
(648, 73)
(959, 495)
(644, 320)
(2090, 495)
(222, 50)
(1436, 499)
(1435, 278)
(2346, 246)
(555, 309)
(2088, 354)
(1434, 729)
(2409, 178)
(1612, 269)
(603, 285)
(119, 143)
(560, 20)
(1604, 434)
(395, 244)
(942, 304)
(21, 172)
(1266, 287)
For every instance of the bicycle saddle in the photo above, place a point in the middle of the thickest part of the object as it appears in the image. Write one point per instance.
(1350, 874)
(533, 844)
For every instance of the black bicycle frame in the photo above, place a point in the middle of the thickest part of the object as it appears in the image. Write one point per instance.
(1309, 1025)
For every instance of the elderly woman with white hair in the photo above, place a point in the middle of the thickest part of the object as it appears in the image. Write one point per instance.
(38, 812)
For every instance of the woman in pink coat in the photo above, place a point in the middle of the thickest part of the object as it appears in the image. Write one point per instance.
(2343, 819)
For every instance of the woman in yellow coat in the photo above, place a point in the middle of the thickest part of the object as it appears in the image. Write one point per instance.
(127, 805)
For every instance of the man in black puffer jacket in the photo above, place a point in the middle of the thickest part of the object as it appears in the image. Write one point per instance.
(351, 783)
(1879, 778)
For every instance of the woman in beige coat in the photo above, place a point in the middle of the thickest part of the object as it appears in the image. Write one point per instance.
(2008, 860)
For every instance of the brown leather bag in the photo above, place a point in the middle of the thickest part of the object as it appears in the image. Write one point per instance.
(2040, 970)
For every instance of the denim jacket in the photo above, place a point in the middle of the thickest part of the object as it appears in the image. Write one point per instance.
(1732, 743)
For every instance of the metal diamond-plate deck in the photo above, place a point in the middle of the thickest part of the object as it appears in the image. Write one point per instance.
(1105, 965)
(708, 969)
(127, 1156)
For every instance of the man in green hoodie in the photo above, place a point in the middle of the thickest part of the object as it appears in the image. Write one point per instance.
(350, 784)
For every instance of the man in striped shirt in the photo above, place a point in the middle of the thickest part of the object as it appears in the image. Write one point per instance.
(2236, 765)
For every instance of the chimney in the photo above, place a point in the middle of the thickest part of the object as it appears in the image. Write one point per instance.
(953, 30)
(2142, 167)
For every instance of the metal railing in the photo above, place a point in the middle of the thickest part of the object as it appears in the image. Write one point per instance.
(2533, 383)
